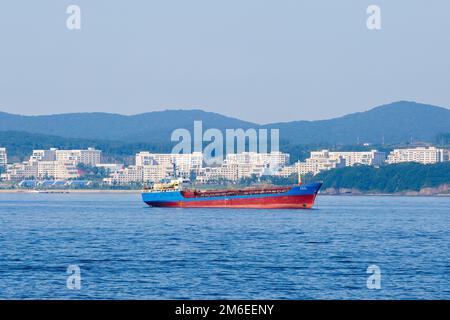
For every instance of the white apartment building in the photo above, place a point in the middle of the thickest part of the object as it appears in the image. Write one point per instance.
(14, 172)
(369, 158)
(57, 170)
(125, 176)
(41, 170)
(145, 173)
(421, 155)
(20, 171)
(55, 164)
(253, 163)
(44, 155)
(244, 165)
(154, 173)
(208, 174)
(90, 156)
(3, 157)
(316, 165)
(325, 160)
(185, 163)
(287, 171)
(272, 159)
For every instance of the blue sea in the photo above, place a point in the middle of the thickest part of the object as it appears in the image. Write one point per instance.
(125, 250)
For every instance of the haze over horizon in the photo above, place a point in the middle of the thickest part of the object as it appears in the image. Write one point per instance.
(259, 61)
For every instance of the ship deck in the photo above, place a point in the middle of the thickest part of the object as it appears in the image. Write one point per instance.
(229, 193)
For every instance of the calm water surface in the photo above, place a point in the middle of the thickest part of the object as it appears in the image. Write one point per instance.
(128, 251)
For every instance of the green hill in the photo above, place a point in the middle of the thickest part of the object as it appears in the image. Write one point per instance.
(398, 122)
(387, 179)
(20, 145)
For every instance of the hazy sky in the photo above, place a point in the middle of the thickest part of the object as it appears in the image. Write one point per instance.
(262, 61)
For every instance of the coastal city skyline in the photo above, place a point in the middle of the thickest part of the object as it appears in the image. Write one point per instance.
(216, 148)
(56, 164)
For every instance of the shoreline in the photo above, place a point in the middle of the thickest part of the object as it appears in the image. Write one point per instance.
(98, 191)
(384, 195)
(18, 191)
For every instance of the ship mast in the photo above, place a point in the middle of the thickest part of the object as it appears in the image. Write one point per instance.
(174, 167)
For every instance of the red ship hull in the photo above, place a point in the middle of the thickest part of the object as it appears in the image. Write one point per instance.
(287, 202)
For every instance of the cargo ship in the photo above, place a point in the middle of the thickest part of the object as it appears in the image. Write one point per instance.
(174, 194)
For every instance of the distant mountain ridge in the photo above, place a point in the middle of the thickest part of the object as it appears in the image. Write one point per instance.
(151, 127)
(392, 123)
(397, 122)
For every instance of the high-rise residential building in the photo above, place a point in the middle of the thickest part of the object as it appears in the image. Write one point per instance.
(422, 155)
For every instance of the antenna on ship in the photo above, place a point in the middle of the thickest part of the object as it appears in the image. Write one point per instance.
(299, 178)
